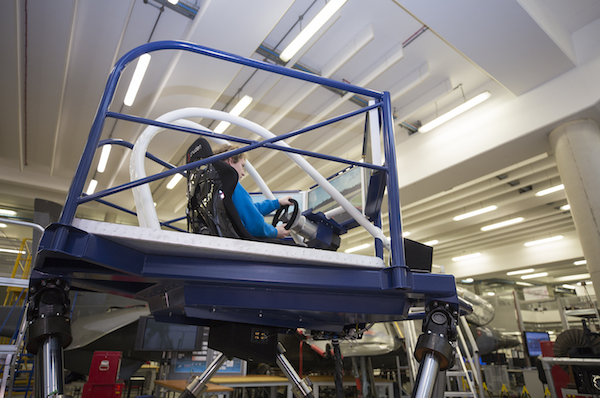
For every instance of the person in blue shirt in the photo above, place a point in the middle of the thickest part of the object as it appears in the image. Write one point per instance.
(252, 214)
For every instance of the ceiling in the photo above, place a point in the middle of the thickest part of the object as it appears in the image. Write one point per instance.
(538, 59)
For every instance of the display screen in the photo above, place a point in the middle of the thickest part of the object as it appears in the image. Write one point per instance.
(533, 339)
(162, 336)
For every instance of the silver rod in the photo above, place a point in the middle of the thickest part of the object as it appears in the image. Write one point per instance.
(22, 223)
(548, 371)
(50, 354)
(292, 376)
(428, 373)
(198, 385)
(571, 361)
(475, 347)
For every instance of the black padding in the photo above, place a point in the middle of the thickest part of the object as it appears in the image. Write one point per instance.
(200, 149)
(419, 257)
(375, 193)
(224, 182)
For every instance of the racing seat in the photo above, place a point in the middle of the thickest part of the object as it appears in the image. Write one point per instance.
(210, 188)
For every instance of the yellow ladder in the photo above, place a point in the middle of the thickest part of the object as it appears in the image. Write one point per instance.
(23, 264)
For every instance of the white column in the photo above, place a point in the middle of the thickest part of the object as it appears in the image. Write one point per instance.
(576, 147)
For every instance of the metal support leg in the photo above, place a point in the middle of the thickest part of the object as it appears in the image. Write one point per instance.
(435, 348)
(49, 333)
(302, 388)
(197, 387)
(339, 369)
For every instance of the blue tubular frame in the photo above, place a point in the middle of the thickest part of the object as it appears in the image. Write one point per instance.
(204, 287)
(382, 99)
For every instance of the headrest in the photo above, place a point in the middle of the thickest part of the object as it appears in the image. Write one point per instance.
(200, 149)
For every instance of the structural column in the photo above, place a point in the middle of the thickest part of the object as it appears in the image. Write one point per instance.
(576, 147)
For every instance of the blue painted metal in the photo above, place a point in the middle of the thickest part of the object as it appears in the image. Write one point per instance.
(186, 286)
(130, 146)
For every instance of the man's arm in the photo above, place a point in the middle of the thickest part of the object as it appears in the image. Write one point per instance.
(251, 217)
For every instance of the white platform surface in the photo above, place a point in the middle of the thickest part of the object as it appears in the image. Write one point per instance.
(176, 243)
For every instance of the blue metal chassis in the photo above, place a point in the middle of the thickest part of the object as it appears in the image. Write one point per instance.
(191, 288)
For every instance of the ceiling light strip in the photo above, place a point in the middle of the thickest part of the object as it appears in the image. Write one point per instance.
(542, 241)
(475, 213)
(313, 26)
(521, 271)
(550, 190)
(91, 187)
(236, 111)
(538, 275)
(104, 158)
(357, 248)
(174, 180)
(502, 224)
(136, 80)
(455, 112)
(466, 257)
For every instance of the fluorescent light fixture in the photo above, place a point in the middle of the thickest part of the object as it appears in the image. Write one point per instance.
(91, 187)
(538, 275)
(475, 213)
(568, 278)
(2, 225)
(405, 234)
(465, 106)
(569, 286)
(524, 283)
(313, 27)
(521, 271)
(236, 111)
(12, 251)
(173, 1)
(6, 212)
(542, 241)
(565, 207)
(357, 248)
(584, 283)
(550, 190)
(580, 262)
(466, 257)
(468, 280)
(136, 80)
(432, 242)
(491, 293)
(174, 180)
(502, 224)
(104, 158)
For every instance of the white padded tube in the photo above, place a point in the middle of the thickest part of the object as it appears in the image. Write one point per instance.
(143, 196)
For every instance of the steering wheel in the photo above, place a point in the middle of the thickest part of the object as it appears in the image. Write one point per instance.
(282, 214)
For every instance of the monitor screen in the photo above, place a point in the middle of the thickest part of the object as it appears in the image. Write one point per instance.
(162, 336)
(532, 342)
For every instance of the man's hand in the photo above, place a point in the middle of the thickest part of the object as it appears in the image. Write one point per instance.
(281, 231)
(285, 201)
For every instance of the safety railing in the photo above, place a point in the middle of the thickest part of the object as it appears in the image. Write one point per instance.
(377, 101)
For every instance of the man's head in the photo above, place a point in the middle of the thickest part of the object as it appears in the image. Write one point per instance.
(238, 162)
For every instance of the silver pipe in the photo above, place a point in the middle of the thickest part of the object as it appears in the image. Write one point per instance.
(198, 385)
(475, 348)
(292, 376)
(428, 373)
(548, 362)
(51, 360)
(22, 223)
(571, 361)
(547, 370)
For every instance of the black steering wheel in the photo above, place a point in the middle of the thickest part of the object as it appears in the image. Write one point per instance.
(283, 215)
